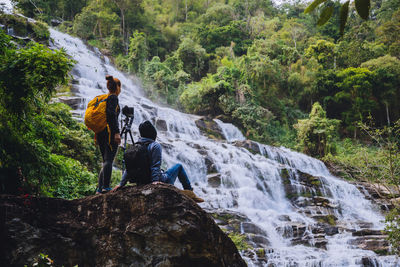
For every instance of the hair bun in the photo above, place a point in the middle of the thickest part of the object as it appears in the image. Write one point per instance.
(109, 78)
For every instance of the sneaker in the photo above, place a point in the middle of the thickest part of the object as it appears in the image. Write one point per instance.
(98, 192)
(192, 195)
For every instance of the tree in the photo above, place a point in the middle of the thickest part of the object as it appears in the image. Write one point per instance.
(386, 71)
(124, 6)
(193, 57)
(96, 19)
(294, 31)
(356, 91)
(138, 52)
(218, 15)
(324, 52)
(235, 33)
(317, 133)
(389, 34)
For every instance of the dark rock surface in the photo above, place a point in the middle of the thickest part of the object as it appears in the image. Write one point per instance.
(161, 125)
(73, 101)
(210, 128)
(214, 180)
(252, 146)
(152, 225)
(383, 197)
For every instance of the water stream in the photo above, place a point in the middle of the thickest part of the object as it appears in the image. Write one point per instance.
(252, 184)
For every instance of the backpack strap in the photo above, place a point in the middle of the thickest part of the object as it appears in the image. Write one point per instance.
(98, 102)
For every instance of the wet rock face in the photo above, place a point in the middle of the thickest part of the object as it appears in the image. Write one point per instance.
(161, 125)
(384, 197)
(252, 146)
(136, 226)
(72, 101)
(210, 128)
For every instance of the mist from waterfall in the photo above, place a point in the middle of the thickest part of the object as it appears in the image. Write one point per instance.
(251, 184)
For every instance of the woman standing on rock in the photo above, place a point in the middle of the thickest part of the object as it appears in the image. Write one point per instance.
(109, 139)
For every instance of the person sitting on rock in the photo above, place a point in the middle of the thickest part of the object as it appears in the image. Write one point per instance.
(148, 135)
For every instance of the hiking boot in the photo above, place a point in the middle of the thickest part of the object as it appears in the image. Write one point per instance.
(106, 190)
(192, 195)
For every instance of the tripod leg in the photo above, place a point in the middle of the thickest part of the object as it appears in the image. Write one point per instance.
(130, 134)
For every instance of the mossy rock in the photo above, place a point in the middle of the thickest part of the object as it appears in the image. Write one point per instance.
(210, 128)
(329, 219)
(239, 240)
(38, 31)
(260, 253)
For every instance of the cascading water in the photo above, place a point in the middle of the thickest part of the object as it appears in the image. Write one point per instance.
(251, 184)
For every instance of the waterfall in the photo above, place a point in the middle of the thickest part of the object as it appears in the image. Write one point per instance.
(231, 133)
(270, 188)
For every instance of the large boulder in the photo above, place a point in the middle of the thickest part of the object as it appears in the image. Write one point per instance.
(151, 225)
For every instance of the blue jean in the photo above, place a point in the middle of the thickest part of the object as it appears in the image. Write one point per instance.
(178, 171)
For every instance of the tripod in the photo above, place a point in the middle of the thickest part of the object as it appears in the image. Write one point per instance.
(126, 129)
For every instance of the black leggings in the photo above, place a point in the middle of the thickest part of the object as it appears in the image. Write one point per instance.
(108, 153)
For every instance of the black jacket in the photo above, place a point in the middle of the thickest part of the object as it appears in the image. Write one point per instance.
(112, 113)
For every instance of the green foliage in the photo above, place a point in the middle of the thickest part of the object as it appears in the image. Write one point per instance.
(386, 72)
(356, 91)
(42, 260)
(313, 5)
(23, 87)
(218, 15)
(239, 240)
(76, 141)
(234, 34)
(377, 163)
(249, 56)
(193, 57)
(41, 31)
(38, 139)
(138, 52)
(316, 135)
(362, 7)
(47, 9)
(344, 13)
(205, 95)
(393, 229)
(387, 170)
(167, 78)
(326, 14)
(95, 20)
(324, 52)
(21, 26)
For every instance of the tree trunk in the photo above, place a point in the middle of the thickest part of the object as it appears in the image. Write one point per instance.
(95, 27)
(124, 35)
(186, 10)
(123, 25)
(387, 114)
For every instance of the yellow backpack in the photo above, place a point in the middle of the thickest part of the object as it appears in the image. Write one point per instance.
(95, 115)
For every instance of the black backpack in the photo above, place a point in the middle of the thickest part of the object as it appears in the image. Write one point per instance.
(137, 162)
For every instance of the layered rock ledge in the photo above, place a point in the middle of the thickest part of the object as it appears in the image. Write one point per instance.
(152, 225)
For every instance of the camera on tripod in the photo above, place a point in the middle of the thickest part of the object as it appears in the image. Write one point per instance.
(128, 111)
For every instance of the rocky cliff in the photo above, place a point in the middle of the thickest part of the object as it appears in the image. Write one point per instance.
(152, 225)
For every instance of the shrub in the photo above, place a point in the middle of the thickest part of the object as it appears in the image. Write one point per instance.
(317, 133)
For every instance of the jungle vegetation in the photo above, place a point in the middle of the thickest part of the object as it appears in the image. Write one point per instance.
(332, 91)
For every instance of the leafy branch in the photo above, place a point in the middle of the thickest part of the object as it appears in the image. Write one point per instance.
(362, 7)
